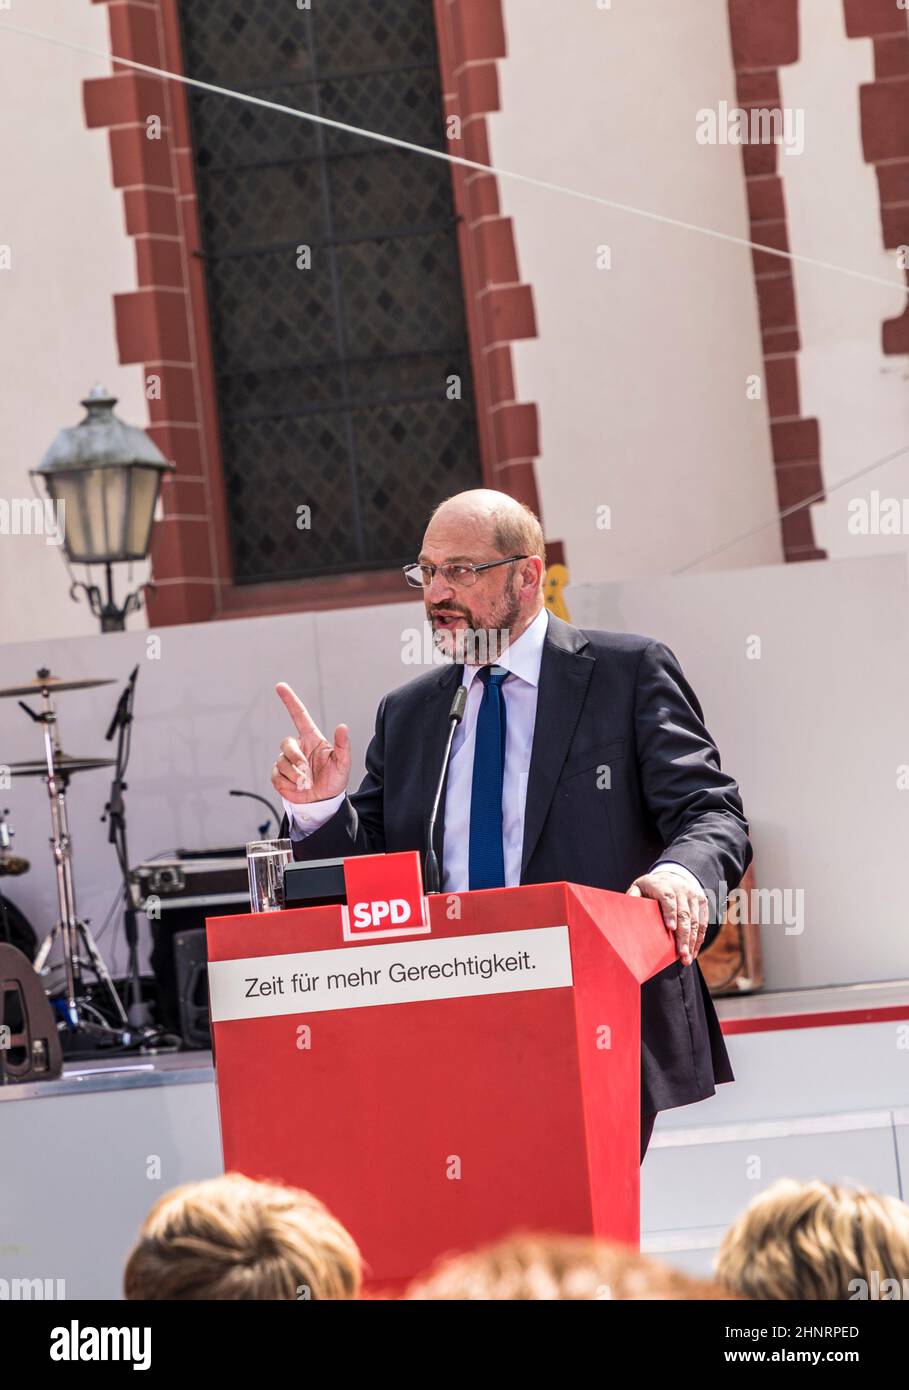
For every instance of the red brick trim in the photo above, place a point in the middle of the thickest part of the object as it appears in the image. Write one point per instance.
(765, 37)
(884, 107)
(164, 323)
(160, 324)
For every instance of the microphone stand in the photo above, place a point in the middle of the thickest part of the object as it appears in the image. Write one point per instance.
(139, 1014)
(254, 796)
(431, 863)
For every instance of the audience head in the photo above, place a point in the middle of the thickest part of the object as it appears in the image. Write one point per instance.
(556, 1268)
(810, 1240)
(232, 1238)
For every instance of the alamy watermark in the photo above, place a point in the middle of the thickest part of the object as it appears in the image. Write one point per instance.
(30, 1290)
(78, 1343)
(461, 646)
(875, 515)
(756, 125)
(875, 1288)
(763, 907)
(33, 516)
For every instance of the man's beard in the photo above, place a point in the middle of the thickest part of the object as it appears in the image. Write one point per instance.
(474, 645)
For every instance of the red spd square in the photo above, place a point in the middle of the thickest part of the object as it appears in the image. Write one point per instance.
(384, 897)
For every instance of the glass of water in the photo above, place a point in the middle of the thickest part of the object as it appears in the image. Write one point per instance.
(265, 860)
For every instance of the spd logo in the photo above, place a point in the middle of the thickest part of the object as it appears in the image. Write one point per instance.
(384, 897)
(375, 914)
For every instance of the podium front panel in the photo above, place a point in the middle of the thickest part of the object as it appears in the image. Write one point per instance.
(436, 1092)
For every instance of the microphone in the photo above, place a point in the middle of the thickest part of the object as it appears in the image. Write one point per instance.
(431, 863)
(122, 709)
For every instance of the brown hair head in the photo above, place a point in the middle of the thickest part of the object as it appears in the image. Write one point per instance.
(563, 1268)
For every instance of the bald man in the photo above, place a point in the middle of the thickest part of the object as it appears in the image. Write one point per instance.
(548, 709)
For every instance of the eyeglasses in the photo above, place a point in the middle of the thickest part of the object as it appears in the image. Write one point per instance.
(461, 576)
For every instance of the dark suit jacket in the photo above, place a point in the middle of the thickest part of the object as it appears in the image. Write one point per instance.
(604, 698)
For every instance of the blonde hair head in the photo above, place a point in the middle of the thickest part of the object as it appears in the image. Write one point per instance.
(232, 1238)
(808, 1240)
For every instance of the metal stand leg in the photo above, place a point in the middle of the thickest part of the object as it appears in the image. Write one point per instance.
(45, 949)
(94, 961)
(101, 970)
(73, 934)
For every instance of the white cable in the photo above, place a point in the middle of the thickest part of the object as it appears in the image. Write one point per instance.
(820, 496)
(463, 163)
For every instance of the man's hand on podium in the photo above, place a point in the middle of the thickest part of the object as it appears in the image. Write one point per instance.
(309, 768)
(684, 908)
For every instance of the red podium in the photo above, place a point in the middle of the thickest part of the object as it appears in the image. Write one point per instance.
(440, 1090)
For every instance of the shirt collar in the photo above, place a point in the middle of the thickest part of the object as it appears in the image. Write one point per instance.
(522, 657)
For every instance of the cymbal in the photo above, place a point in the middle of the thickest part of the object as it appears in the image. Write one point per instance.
(63, 763)
(45, 681)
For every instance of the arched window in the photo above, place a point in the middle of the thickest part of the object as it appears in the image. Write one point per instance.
(337, 319)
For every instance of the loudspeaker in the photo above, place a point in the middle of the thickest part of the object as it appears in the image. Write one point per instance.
(29, 1039)
(191, 961)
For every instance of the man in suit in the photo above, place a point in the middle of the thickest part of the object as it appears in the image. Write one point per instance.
(582, 756)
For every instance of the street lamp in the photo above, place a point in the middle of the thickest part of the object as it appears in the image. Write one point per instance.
(103, 477)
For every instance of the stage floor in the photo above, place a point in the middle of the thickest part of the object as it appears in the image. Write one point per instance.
(813, 1008)
(119, 1074)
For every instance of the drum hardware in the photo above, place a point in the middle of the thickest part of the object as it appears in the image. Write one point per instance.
(90, 1010)
(15, 930)
(45, 682)
(65, 763)
(77, 943)
(10, 863)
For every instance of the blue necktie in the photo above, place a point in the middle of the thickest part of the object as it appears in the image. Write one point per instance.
(487, 856)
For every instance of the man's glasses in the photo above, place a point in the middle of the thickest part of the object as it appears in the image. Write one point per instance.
(460, 576)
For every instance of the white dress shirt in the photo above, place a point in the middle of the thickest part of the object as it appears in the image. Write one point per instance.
(522, 658)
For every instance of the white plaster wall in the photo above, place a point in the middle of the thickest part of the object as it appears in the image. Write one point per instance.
(63, 222)
(815, 730)
(859, 395)
(639, 371)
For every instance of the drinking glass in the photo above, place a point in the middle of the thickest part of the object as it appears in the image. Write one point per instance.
(265, 860)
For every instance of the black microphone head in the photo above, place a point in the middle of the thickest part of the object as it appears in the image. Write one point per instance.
(459, 704)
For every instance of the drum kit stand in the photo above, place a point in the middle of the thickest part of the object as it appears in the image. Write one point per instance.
(92, 1016)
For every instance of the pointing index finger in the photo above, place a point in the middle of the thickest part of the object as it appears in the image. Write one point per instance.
(303, 722)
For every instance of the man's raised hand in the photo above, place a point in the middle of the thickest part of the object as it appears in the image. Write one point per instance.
(309, 768)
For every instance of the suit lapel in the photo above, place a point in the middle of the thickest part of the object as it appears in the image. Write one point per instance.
(565, 672)
(435, 732)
